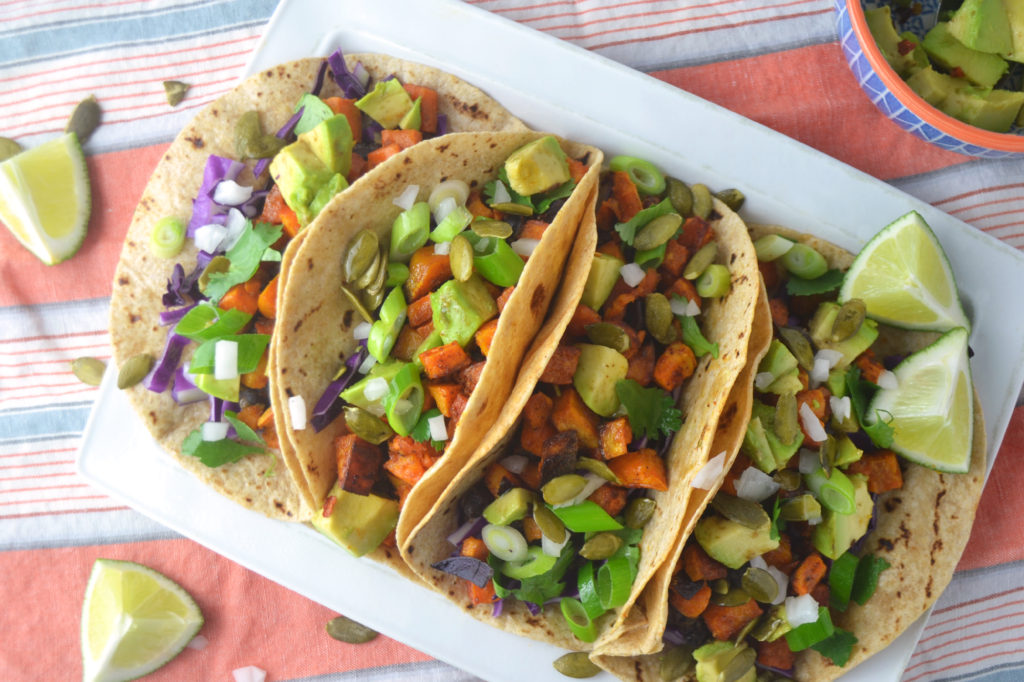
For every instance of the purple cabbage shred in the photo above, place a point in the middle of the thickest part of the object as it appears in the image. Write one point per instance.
(442, 124)
(499, 605)
(320, 74)
(183, 390)
(328, 407)
(204, 210)
(468, 568)
(173, 316)
(183, 289)
(778, 671)
(346, 80)
(162, 373)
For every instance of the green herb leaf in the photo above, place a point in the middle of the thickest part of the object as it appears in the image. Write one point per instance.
(516, 197)
(214, 453)
(544, 200)
(628, 229)
(837, 647)
(250, 350)
(866, 580)
(545, 586)
(860, 393)
(245, 432)
(807, 635)
(694, 338)
(651, 411)
(840, 580)
(798, 286)
(778, 524)
(245, 257)
(421, 432)
(271, 256)
(207, 321)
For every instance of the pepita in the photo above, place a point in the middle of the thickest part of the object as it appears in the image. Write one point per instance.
(702, 203)
(9, 148)
(371, 273)
(362, 251)
(219, 264)
(639, 511)
(657, 232)
(732, 197)
(460, 255)
(680, 196)
(744, 512)
(134, 370)
(787, 420)
(658, 318)
(759, 584)
(599, 468)
(175, 92)
(601, 546)
(84, 119)
(366, 426)
(349, 631)
(799, 345)
(88, 370)
(491, 228)
(676, 662)
(354, 299)
(372, 300)
(788, 479)
(734, 597)
(740, 665)
(549, 523)
(562, 488)
(700, 261)
(576, 664)
(800, 508)
(848, 320)
(610, 335)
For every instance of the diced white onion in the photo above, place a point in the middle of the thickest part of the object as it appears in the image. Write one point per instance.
(453, 189)
(215, 430)
(809, 461)
(225, 359)
(198, 643)
(375, 389)
(462, 532)
(819, 372)
(515, 463)
(593, 482)
(249, 673)
(812, 425)
(235, 228)
(443, 208)
(782, 580)
(841, 407)
(830, 355)
(753, 484)
(632, 274)
(191, 395)
(888, 380)
(552, 548)
(367, 364)
(684, 307)
(524, 247)
(209, 237)
(360, 72)
(407, 198)
(759, 562)
(801, 610)
(501, 195)
(438, 430)
(230, 193)
(709, 474)
(442, 248)
(297, 411)
(361, 331)
(763, 380)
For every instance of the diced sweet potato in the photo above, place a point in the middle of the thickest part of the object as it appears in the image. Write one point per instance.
(698, 565)
(536, 426)
(782, 556)
(684, 289)
(531, 531)
(419, 312)
(484, 336)
(408, 459)
(780, 311)
(725, 622)
(359, 463)
(444, 361)
(561, 366)
(611, 498)
(427, 271)
(474, 547)
(469, 376)
(641, 365)
(627, 198)
(444, 394)
(640, 469)
(613, 247)
(250, 414)
(870, 368)
(775, 654)
(676, 257)
(481, 595)
(409, 339)
(808, 574)
(561, 452)
(571, 414)
(614, 438)
(581, 318)
(692, 606)
(696, 233)
(502, 300)
(458, 407)
(257, 378)
(735, 471)
(675, 365)
(498, 479)
(477, 207)
(882, 469)
(533, 229)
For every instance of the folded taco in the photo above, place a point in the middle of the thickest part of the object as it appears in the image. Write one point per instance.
(408, 307)
(822, 544)
(314, 125)
(573, 501)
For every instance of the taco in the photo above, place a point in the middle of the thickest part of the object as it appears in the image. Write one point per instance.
(408, 308)
(234, 139)
(572, 502)
(790, 570)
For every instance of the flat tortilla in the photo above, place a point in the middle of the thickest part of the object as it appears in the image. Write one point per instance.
(256, 482)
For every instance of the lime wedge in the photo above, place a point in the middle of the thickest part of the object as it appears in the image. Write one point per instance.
(904, 278)
(44, 198)
(134, 620)
(932, 405)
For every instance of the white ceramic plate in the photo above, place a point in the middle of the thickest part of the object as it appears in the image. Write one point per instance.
(558, 88)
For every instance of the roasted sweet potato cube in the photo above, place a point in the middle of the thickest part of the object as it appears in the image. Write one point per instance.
(419, 312)
(697, 565)
(408, 459)
(359, 463)
(533, 229)
(571, 414)
(689, 598)
(503, 297)
(498, 479)
(444, 361)
(882, 469)
(581, 318)
(469, 377)
(536, 427)
(676, 257)
(427, 271)
(725, 622)
(641, 365)
(640, 469)
(561, 452)
(562, 365)
(484, 336)
(614, 437)
(443, 394)
(409, 339)
(675, 365)
(611, 498)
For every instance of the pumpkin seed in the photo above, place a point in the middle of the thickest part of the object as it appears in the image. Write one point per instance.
(787, 424)
(702, 203)
(657, 232)
(175, 92)
(513, 208)
(800, 508)
(366, 426)
(848, 320)
(460, 255)
(576, 664)
(134, 370)
(744, 512)
(549, 523)
(601, 546)
(676, 661)
(9, 148)
(700, 261)
(349, 631)
(491, 228)
(740, 665)
(562, 488)
(84, 119)
(370, 274)
(799, 345)
(732, 197)
(354, 299)
(596, 466)
(250, 140)
(719, 586)
(607, 334)
(658, 318)
(734, 597)
(376, 284)
(362, 251)
(788, 479)
(217, 265)
(88, 370)
(639, 511)
(827, 454)
(373, 299)
(680, 196)
(760, 585)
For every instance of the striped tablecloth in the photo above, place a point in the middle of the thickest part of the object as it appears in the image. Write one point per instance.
(775, 61)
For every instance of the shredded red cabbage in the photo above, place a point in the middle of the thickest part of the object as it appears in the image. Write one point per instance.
(787, 673)
(218, 407)
(183, 390)
(498, 608)
(204, 210)
(467, 567)
(442, 124)
(329, 407)
(181, 288)
(160, 376)
(169, 317)
(319, 84)
(346, 80)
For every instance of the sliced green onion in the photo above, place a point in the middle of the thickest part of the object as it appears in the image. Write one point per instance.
(505, 542)
(645, 176)
(456, 189)
(167, 237)
(840, 579)
(384, 332)
(694, 338)
(410, 231)
(771, 246)
(455, 222)
(650, 258)
(614, 582)
(807, 635)
(578, 620)
(495, 260)
(804, 262)
(586, 517)
(588, 590)
(397, 274)
(714, 282)
(835, 492)
(404, 400)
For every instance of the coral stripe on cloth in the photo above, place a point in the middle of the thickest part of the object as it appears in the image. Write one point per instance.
(777, 62)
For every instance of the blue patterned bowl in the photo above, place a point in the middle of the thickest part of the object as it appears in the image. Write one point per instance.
(898, 101)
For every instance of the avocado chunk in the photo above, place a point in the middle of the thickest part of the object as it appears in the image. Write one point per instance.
(359, 523)
(604, 273)
(731, 543)
(1015, 16)
(387, 103)
(780, 362)
(511, 506)
(880, 24)
(327, 191)
(934, 87)
(821, 333)
(331, 141)
(837, 532)
(781, 451)
(460, 308)
(725, 662)
(314, 110)
(846, 452)
(994, 110)
(982, 25)
(300, 174)
(981, 68)
(537, 166)
(598, 370)
(413, 118)
(756, 446)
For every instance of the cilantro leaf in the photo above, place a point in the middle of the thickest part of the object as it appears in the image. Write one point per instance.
(214, 453)
(207, 321)
(421, 432)
(798, 286)
(694, 338)
(244, 431)
(778, 524)
(840, 580)
(245, 257)
(628, 229)
(545, 586)
(866, 580)
(651, 411)
(861, 392)
(544, 200)
(837, 647)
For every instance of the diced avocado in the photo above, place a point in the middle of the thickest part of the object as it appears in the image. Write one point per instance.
(755, 445)
(787, 383)
(598, 370)
(323, 195)
(994, 110)
(314, 110)
(731, 543)
(918, 56)
(604, 273)
(331, 141)
(299, 173)
(781, 451)
(536, 563)
(934, 87)
(821, 333)
(225, 389)
(837, 532)
(778, 360)
(354, 394)
(511, 506)
(980, 68)
(413, 118)
(836, 382)
(359, 523)
(982, 25)
(460, 308)
(880, 24)
(846, 452)
(1015, 15)
(537, 166)
(387, 103)
(716, 661)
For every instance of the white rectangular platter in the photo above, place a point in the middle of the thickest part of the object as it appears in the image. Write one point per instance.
(555, 87)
